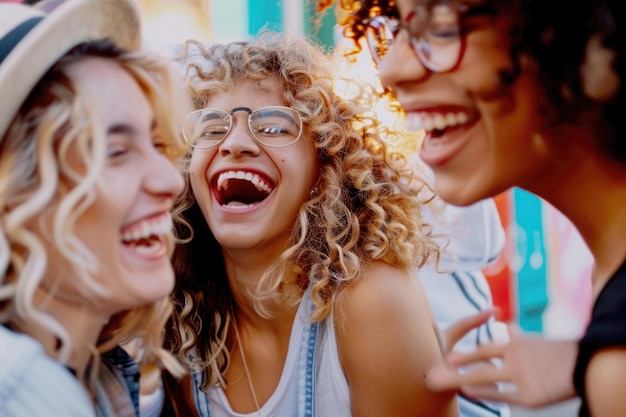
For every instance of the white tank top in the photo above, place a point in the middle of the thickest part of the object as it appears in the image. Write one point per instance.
(312, 383)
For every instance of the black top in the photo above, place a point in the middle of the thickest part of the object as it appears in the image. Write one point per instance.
(607, 328)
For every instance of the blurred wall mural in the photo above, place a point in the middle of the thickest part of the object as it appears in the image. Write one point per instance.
(542, 280)
(167, 23)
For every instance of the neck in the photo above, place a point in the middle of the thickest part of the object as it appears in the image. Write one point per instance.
(257, 360)
(590, 190)
(244, 275)
(246, 367)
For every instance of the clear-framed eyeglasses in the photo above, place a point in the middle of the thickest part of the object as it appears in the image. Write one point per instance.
(273, 126)
(434, 30)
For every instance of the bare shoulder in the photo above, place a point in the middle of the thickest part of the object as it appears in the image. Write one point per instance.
(386, 340)
(604, 382)
(383, 286)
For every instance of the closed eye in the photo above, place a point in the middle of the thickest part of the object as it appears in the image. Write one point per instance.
(214, 131)
(272, 130)
(116, 151)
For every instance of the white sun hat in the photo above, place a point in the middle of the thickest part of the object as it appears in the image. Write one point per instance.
(33, 38)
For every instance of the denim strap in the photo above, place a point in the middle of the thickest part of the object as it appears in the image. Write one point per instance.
(307, 408)
(306, 369)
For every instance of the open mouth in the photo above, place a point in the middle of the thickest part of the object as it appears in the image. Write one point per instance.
(436, 124)
(438, 133)
(147, 236)
(241, 188)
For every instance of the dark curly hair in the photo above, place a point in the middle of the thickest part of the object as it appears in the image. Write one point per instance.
(555, 35)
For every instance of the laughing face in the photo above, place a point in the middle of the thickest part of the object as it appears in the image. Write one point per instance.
(127, 225)
(249, 193)
(482, 134)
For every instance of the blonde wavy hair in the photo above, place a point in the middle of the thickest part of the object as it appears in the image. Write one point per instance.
(37, 181)
(365, 206)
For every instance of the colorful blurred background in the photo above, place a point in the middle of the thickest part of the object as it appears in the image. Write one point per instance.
(541, 281)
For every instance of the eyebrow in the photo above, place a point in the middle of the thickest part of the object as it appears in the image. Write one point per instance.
(210, 116)
(125, 128)
(278, 113)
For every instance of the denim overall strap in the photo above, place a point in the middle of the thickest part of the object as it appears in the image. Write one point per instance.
(306, 368)
(117, 386)
(201, 401)
(307, 372)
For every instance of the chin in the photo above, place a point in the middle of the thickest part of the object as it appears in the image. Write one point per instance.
(465, 190)
(456, 195)
(459, 193)
(151, 288)
(455, 200)
(161, 286)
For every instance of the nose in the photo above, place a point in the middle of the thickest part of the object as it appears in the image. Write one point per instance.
(163, 176)
(239, 140)
(400, 66)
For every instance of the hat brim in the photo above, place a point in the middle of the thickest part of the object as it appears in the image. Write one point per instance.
(69, 24)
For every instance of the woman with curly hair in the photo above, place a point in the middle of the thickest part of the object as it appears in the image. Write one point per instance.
(530, 94)
(89, 149)
(295, 291)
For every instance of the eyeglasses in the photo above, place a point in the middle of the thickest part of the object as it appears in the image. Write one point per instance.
(434, 30)
(273, 126)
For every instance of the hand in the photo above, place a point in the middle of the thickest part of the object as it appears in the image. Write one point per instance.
(530, 371)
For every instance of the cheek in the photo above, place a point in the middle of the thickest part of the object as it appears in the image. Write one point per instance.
(99, 226)
(195, 178)
(201, 159)
(314, 173)
(486, 59)
(198, 179)
(198, 166)
(307, 166)
(517, 115)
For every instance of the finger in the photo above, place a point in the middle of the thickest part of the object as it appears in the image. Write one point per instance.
(442, 378)
(455, 332)
(483, 353)
(491, 393)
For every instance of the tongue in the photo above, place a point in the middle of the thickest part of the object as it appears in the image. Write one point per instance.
(140, 242)
(240, 192)
(236, 204)
(437, 133)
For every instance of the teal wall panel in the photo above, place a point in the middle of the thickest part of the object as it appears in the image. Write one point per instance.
(264, 13)
(320, 26)
(530, 261)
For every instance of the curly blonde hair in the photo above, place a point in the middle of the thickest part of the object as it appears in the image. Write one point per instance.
(37, 181)
(365, 206)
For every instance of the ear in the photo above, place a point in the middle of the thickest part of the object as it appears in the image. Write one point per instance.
(598, 78)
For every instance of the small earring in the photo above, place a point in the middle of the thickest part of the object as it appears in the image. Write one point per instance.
(313, 193)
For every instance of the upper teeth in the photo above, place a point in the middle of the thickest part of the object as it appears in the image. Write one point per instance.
(146, 228)
(242, 175)
(439, 121)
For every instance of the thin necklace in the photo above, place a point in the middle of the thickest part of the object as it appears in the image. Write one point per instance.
(245, 367)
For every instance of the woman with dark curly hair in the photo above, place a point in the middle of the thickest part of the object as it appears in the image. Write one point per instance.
(530, 94)
(295, 291)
